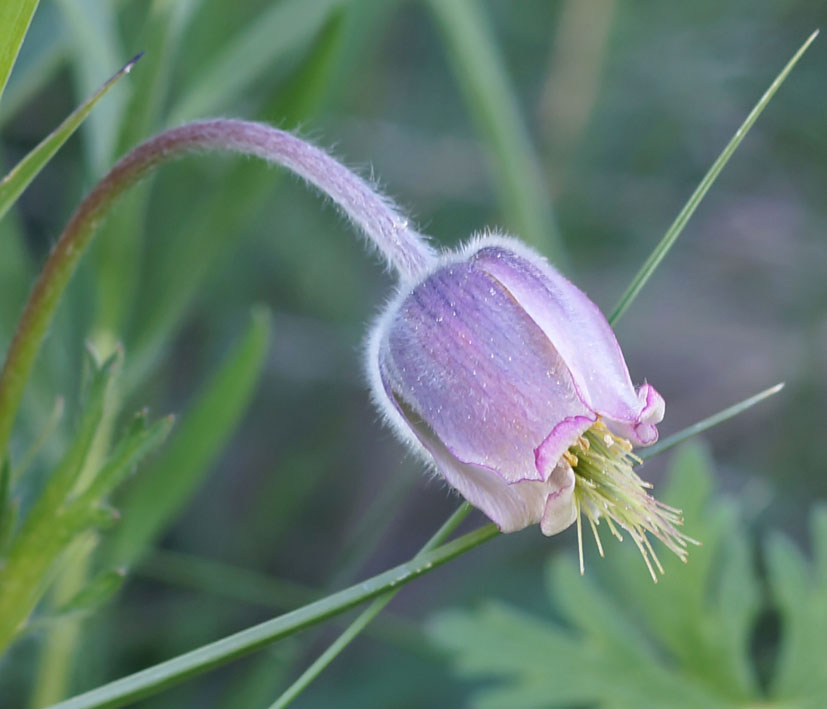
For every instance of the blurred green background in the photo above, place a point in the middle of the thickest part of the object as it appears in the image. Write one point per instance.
(618, 110)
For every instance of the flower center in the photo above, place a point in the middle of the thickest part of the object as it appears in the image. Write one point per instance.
(607, 487)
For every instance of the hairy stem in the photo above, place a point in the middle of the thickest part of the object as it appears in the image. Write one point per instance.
(404, 248)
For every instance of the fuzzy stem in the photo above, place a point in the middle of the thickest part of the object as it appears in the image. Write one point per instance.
(405, 249)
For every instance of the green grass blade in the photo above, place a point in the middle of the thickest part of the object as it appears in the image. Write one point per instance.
(119, 250)
(244, 190)
(365, 617)
(689, 208)
(228, 581)
(15, 18)
(166, 674)
(27, 169)
(707, 423)
(41, 57)
(94, 43)
(483, 80)
(163, 488)
(283, 27)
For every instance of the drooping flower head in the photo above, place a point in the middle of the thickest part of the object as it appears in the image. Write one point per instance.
(513, 382)
(489, 362)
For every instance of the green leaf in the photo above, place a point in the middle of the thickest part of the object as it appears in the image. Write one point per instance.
(493, 107)
(140, 440)
(799, 591)
(161, 491)
(41, 57)
(66, 475)
(251, 54)
(95, 43)
(8, 508)
(689, 208)
(15, 17)
(27, 169)
(99, 590)
(118, 250)
(625, 642)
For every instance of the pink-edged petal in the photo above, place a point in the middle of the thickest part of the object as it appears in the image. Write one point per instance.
(578, 331)
(511, 506)
(560, 511)
(465, 357)
(549, 452)
(644, 431)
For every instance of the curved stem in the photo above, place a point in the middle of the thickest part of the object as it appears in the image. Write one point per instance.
(381, 221)
(154, 679)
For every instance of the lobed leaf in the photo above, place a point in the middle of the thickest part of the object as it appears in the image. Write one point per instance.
(625, 642)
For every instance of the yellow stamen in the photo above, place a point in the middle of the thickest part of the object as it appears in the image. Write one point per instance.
(607, 487)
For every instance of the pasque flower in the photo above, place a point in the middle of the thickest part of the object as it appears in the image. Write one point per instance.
(512, 381)
(487, 361)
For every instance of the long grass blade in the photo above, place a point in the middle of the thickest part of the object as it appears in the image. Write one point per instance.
(166, 674)
(41, 57)
(283, 27)
(689, 208)
(365, 617)
(27, 169)
(15, 18)
(709, 422)
(491, 102)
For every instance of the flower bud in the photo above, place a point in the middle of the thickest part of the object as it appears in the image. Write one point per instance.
(512, 380)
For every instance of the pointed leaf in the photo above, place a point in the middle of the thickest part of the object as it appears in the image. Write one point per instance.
(94, 41)
(100, 590)
(689, 208)
(27, 169)
(15, 17)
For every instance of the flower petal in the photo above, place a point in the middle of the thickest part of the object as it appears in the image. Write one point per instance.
(512, 506)
(466, 358)
(579, 332)
(643, 432)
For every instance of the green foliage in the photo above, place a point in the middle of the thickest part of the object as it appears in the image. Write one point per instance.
(15, 16)
(284, 27)
(799, 593)
(72, 504)
(674, 231)
(493, 108)
(154, 267)
(155, 498)
(622, 641)
(97, 592)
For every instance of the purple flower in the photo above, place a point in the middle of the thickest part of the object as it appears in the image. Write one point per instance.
(512, 380)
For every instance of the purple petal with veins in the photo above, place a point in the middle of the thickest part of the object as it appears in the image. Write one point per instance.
(581, 335)
(465, 357)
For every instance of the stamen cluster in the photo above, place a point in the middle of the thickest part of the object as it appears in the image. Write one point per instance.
(607, 487)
